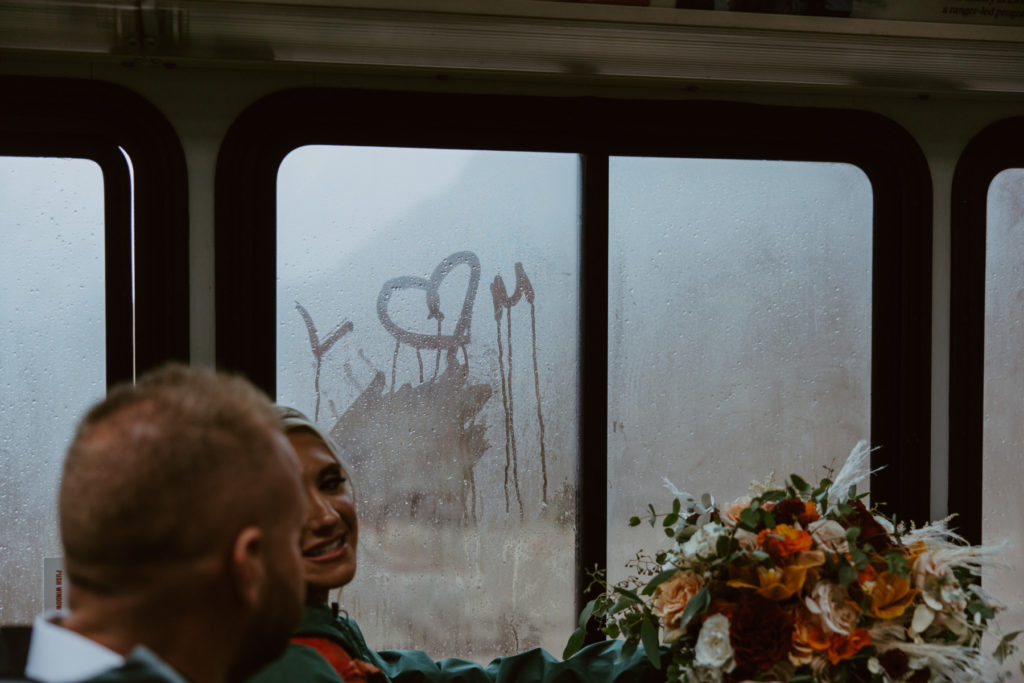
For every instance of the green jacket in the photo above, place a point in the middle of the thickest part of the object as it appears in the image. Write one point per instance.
(597, 662)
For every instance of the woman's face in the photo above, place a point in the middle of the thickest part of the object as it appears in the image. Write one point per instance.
(331, 531)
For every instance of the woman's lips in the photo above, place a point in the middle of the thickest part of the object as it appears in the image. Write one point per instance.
(326, 552)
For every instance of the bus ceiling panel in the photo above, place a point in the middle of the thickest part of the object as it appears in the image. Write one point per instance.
(533, 38)
(110, 27)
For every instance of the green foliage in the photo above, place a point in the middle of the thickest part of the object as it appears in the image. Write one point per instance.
(1007, 648)
(847, 574)
(658, 580)
(898, 564)
(698, 604)
(649, 637)
(801, 486)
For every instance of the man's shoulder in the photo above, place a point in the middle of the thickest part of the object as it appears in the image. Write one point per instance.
(142, 666)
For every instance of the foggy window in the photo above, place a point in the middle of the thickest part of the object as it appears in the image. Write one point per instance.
(739, 328)
(1003, 431)
(53, 361)
(427, 313)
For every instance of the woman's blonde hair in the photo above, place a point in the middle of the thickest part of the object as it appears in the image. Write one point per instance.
(296, 421)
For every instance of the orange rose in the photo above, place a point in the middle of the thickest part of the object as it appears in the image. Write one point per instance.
(890, 595)
(842, 647)
(670, 600)
(869, 575)
(780, 583)
(784, 540)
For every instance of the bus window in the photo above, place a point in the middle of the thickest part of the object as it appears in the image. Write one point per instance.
(53, 333)
(740, 297)
(1002, 507)
(427, 315)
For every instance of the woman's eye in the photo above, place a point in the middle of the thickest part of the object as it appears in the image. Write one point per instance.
(332, 483)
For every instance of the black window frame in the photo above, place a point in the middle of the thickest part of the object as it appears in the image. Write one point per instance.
(996, 148)
(597, 128)
(74, 118)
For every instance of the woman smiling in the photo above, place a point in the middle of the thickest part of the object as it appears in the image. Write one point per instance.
(329, 647)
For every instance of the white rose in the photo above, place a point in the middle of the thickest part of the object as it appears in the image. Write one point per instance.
(833, 606)
(704, 541)
(713, 647)
(702, 674)
(829, 535)
(939, 587)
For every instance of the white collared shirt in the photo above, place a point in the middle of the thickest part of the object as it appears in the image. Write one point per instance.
(57, 655)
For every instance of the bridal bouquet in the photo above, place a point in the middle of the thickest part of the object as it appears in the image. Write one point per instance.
(803, 583)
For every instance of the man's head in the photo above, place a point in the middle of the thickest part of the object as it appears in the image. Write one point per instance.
(184, 485)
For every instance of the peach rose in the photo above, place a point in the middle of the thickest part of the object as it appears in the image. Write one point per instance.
(670, 600)
(808, 636)
(730, 514)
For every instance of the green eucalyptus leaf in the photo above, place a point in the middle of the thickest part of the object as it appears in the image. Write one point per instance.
(634, 521)
(649, 636)
(724, 545)
(621, 604)
(661, 578)
(698, 604)
(628, 648)
(799, 483)
(588, 610)
(981, 608)
(626, 593)
(847, 575)
(898, 564)
(860, 559)
(575, 643)
(1006, 647)
(749, 519)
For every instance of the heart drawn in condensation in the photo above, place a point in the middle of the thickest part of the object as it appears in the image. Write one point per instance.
(460, 335)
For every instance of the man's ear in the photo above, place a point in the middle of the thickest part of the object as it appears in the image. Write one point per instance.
(248, 564)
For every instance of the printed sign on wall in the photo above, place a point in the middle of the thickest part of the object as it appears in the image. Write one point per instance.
(53, 584)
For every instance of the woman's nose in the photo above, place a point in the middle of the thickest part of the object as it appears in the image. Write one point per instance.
(322, 513)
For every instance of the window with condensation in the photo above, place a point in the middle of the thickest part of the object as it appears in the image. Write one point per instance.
(740, 328)
(517, 325)
(427, 315)
(53, 336)
(1002, 507)
(93, 287)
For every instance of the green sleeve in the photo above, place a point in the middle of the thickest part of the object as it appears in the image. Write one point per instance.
(598, 662)
(298, 664)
